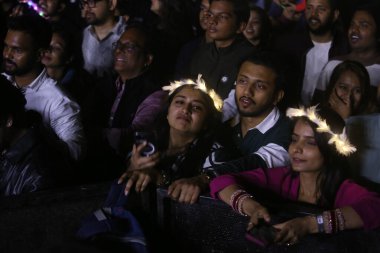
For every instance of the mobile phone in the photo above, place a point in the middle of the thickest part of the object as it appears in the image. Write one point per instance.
(150, 147)
(262, 234)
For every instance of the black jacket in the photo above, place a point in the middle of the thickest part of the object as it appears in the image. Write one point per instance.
(30, 164)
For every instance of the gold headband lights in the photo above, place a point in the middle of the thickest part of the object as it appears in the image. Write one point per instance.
(198, 84)
(341, 142)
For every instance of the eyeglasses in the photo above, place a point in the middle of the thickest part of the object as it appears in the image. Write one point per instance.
(129, 48)
(89, 3)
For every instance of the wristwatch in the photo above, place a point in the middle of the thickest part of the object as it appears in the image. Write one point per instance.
(320, 222)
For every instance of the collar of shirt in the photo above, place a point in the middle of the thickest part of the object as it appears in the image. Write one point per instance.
(268, 122)
(41, 79)
(119, 84)
(35, 85)
(117, 29)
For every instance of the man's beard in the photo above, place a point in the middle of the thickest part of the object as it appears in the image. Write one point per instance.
(255, 113)
(323, 28)
(15, 71)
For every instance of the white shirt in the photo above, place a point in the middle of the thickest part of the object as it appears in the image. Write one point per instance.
(229, 109)
(316, 59)
(58, 112)
(98, 54)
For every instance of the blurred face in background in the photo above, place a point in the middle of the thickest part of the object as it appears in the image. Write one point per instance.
(97, 12)
(56, 56)
(203, 14)
(51, 8)
(130, 57)
(362, 31)
(155, 6)
(348, 89)
(320, 17)
(253, 29)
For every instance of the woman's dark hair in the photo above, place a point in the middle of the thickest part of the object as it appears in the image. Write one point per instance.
(196, 156)
(266, 25)
(175, 16)
(73, 41)
(361, 72)
(336, 167)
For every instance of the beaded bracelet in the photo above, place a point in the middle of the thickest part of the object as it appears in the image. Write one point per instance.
(236, 200)
(327, 222)
(234, 197)
(333, 221)
(340, 218)
(241, 200)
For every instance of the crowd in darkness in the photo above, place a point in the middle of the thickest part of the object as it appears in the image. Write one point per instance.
(82, 80)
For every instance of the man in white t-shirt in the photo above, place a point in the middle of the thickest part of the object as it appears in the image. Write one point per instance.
(320, 17)
(307, 52)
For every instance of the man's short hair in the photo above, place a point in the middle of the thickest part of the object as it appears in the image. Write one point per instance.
(333, 4)
(241, 9)
(271, 61)
(34, 25)
(12, 103)
(149, 46)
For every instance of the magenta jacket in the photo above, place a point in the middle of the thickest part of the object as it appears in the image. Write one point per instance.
(285, 183)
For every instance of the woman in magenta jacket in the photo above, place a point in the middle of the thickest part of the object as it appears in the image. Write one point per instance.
(318, 155)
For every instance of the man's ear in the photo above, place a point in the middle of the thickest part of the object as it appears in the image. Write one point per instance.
(113, 4)
(149, 59)
(336, 15)
(241, 27)
(62, 7)
(40, 54)
(9, 122)
(279, 96)
(69, 60)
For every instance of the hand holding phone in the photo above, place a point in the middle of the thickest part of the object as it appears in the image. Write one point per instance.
(262, 234)
(150, 147)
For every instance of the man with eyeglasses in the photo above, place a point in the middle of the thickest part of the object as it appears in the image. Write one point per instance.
(120, 105)
(218, 62)
(104, 29)
(28, 36)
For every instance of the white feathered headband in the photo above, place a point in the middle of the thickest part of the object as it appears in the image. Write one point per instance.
(198, 84)
(341, 142)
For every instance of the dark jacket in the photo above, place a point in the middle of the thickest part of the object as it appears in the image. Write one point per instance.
(219, 66)
(30, 165)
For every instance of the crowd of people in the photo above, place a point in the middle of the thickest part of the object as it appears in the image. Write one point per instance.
(227, 94)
